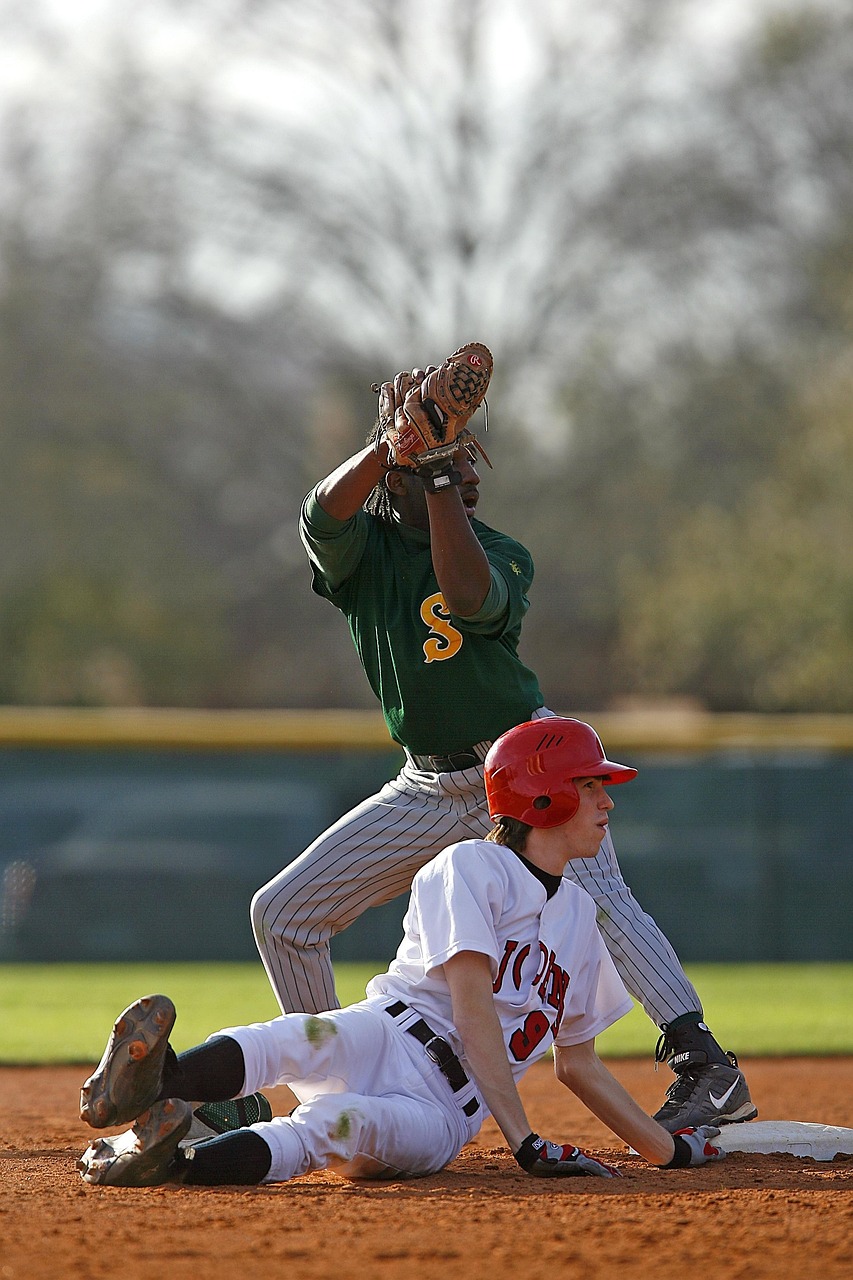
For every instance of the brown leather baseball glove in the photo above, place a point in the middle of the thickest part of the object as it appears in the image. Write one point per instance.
(424, 416)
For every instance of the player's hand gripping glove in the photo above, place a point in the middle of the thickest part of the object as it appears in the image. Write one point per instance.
(548, 1160)
(693, 1147)
(423, 416)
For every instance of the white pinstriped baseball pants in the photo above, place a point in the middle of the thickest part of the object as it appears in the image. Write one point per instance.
(371, 855)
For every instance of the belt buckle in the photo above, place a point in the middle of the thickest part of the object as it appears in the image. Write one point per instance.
(456, 761)
(441, 764)
(447, 1062)
(440, 1051)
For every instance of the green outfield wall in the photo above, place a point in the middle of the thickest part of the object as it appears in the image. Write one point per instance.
(141, 834)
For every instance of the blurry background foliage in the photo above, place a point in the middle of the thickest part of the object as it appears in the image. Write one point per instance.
(220, 221)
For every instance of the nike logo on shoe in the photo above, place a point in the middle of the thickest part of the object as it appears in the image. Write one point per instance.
(720, 1102)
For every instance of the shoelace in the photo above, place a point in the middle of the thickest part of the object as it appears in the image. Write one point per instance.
(664, 1047)
(682, 1087)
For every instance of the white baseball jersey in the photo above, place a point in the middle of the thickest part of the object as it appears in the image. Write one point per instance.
(554, 981)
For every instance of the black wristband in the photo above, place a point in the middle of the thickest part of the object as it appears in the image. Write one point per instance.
(438, 481)
(681, 1158)
(528, 1153)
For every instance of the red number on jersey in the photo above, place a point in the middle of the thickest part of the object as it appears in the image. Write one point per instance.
(524, 1040)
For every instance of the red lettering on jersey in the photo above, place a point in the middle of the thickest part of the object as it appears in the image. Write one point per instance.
(543, 951)
(509, 947)
(553, 985)
(516, 968)
(545, 972)
(553, 988)
(557, 995)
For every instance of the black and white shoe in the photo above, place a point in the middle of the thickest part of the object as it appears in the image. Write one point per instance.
(144, 1156)
(129, 1076)
(714, 1093)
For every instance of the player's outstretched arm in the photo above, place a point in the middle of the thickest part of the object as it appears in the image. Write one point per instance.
(469, 977)
(581, 1070)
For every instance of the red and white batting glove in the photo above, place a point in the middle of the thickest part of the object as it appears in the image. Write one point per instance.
(548, 1160)
(692, 1147)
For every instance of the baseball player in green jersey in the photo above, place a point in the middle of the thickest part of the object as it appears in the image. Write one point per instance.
(435, 601)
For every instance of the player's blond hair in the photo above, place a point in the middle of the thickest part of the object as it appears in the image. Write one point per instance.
(510, 832)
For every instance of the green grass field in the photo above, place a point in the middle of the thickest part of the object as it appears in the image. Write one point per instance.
(63, 1012)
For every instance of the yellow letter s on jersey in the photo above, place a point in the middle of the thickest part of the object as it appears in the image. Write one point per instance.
(444, 640)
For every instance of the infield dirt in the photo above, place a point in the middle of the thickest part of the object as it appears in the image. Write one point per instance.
(748, 1216)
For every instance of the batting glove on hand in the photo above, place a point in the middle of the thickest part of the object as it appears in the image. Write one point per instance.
(548, 1160)
(692, 1147)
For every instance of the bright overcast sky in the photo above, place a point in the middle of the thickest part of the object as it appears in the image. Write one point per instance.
(86, 29)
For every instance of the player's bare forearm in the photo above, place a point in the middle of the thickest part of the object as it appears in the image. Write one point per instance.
(460, 563)
(469, 977)
(343, 492)
(580, 1069)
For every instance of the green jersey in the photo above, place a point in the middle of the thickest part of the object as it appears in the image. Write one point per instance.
(444, 682)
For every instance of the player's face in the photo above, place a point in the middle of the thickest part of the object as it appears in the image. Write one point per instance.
(469, 489)
(587, 828)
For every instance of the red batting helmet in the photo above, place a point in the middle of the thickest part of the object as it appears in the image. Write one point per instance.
(530, 770)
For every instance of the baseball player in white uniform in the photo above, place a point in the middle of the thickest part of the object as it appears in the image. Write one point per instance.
(435, 602)
(501, 961)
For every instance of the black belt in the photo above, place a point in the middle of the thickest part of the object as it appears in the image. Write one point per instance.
(440, 1051)
(446, 764)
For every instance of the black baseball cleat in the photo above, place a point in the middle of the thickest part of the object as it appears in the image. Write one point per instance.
(129, 1076)
(714, 1094)
(144, 1156)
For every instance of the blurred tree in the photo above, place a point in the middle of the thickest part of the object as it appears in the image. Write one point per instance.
(221, 222)
(103, 596)
(547, 177)
(753, 607)
(750, 604)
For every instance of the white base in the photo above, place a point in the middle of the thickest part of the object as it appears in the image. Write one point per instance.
(788, 1137)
